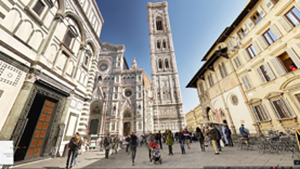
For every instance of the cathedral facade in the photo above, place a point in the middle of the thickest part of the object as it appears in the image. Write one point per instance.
(125, 99)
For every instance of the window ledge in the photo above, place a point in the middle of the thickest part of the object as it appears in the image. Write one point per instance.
(266, 121)
(33, 15)
(290, 118)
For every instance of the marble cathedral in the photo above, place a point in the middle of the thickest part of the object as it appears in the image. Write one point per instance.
(124, 98)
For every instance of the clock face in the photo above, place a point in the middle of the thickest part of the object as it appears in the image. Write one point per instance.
(103, 67)
(128, 93)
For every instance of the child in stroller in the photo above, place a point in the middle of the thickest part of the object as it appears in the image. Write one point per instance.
(155, 154)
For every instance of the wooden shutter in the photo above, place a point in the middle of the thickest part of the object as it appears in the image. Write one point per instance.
(284, 23)
(248, 82)
(256, 47)
(294, 57)
(230, 45)
(275, 110)
(269, 4)
(265, 111)
(245, 28)
(276, 32)
(288, 106)
(262, 42)
(246, 55)
(261, 75)
(250, 23)
(235, 62)
(238, 61)
(278, 67)
(245, 83)
(269, 71)
(261, 11)
(254, 113)
(236, 37)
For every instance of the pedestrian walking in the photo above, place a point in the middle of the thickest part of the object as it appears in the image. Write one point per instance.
(181, 139)
(170, 141)
(159, 136)
(107, 145)
(214, 137)
(133, 145)
(187, 138)
(219, 138)
(228, 136)
(127, 142)
(200, 138)
(150, 139)
(116, 141)
(245, 133)
(74, 145)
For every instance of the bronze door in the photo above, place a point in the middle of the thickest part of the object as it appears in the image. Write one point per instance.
(41, 128)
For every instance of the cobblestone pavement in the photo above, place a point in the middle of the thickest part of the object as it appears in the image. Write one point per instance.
(193, 158)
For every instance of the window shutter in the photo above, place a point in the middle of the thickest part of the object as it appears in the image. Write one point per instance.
(262, 42)
(276, 32)
(269, 3)
(269, 71)
(278, 67)
(256, 47)
(288, 106)
(287, 27)
(238, 61)
(261, 11)
(245, 28)
(261, 75)
(294, 57)
(265, 110)
(235, 62)
(254, 113)
(230, 45)
(246, 55)
(250, 23)
(236, 37)
(245, 83)
(275, 110)
(248, 82)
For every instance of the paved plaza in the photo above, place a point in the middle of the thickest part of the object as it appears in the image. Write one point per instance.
(193, 158)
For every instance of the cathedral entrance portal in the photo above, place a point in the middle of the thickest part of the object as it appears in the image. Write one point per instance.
(126, 131)
(127, 122)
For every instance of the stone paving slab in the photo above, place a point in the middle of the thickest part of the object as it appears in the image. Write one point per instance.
(229, 157)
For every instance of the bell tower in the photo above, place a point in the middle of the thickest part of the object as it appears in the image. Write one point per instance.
(167, 105)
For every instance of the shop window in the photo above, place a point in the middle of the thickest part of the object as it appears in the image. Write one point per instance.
(256, 17)
(39, 7)
(269, 37)
(293, 16)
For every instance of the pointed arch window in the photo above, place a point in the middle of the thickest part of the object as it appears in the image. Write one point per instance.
(159, 24)
(159, 64)
(158, 44)
(71, 33)
(167, 63)
(164, 44)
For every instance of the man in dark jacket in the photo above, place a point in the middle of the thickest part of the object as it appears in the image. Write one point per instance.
(107, 144)
(133, 145)
(181, 139)
(159, 139)
(219, 137)
(214, 138)
(228, 136)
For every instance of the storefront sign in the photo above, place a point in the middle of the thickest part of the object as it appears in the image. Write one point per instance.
(6, 153)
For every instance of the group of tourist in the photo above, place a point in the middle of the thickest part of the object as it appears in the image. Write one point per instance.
(218, 137)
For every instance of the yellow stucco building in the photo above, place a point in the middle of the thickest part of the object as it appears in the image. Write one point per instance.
(193, 118)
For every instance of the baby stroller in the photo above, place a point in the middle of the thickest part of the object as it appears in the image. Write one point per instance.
(155, 154)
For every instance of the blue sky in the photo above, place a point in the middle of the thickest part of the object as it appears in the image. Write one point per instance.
(195, 25)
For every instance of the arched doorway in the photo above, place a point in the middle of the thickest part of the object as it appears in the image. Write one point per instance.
(127, 122)
(95, 118)
(210, 115)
